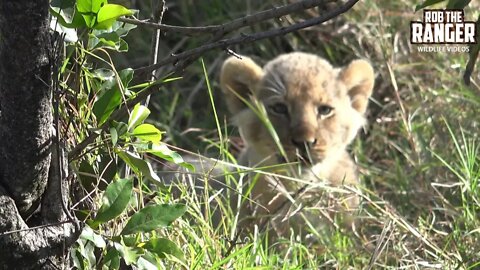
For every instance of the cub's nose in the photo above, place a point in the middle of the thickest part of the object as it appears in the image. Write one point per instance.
(304, 144)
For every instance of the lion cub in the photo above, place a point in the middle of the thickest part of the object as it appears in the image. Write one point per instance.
(316, 111)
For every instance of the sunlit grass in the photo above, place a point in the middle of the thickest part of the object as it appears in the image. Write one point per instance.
(419, 157)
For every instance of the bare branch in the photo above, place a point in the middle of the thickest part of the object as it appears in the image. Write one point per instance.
(236, 24)
(186, 30)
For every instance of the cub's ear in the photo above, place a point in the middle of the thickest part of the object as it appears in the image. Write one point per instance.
(238, 77)
(358, 77)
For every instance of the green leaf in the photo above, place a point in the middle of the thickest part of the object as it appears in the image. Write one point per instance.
(154, 217)
(122, 28)
(122, 46)
(97, 5)
(110, 38)
(104, 25)
(90, 6)
(70, 34)
(162, 246)
(67, 18)
(104, 80)
(427, 4)
(144, 264)
(104, 40)
(115, 200)
(161, 150)
(138, 115)
(78, 21)
(121, 128)
(139, 166)
(85, 255)
(89, 9)
(148, 133)
(126, 76)
(106, 104)
(109, 13)
(113, 135)
(84, 6)
(89, 20)
(90, 235)
(112, 259)
(129, 254)
(106, 76)
(112, 11)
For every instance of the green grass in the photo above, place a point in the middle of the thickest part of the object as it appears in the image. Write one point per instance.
(419, 157)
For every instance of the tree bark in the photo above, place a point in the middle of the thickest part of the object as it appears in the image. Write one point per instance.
(28, 240)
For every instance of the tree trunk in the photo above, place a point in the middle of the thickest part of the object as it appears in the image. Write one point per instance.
(30, 238)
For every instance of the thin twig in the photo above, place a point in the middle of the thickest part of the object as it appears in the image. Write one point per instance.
(236, 24)
(157, 15)
(37, 227)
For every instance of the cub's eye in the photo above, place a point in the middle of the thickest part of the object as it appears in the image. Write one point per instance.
(279, 108)
(324, 110)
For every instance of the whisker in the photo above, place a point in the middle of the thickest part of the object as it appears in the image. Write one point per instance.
(273, 89)
(275, 82)
(279, 82)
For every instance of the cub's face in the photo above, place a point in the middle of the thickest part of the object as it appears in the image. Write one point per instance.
(316, 110)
